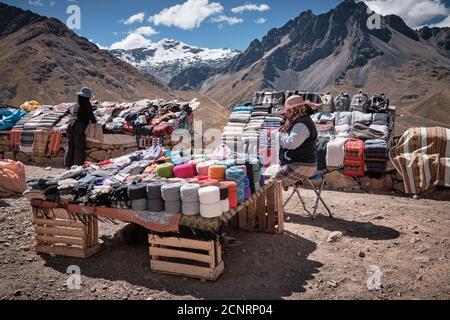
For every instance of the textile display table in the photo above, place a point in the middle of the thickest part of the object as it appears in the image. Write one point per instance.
(72, 230)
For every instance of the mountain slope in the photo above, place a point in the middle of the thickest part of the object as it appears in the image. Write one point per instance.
(336, 51)
(168, 57)
(42, 59)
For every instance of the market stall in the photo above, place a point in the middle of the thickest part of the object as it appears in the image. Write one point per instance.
(354, 134)
(38, 133)
(184, 204)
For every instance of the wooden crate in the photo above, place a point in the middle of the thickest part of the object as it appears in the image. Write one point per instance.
(58, 233)
(186, 257)
(263, 212)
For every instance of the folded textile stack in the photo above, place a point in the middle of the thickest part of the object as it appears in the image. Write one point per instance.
(234, 131)
(361, 131)
(376, 151)
(354, 158)
(336, 153)
(269, 98)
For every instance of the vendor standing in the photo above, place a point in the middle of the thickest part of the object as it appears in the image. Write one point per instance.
(298, 139)
(81, 115)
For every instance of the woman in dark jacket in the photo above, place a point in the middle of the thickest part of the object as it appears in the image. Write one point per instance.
(80, 117)
(298, 138)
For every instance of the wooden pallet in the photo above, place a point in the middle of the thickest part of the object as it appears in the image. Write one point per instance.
(263, 212)
(186, 257)
(59, 234)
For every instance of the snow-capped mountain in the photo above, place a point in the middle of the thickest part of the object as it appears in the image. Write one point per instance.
(167, 58)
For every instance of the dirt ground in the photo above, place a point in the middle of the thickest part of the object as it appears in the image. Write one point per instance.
(407, 239)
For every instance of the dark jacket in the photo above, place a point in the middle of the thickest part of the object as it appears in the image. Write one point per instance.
(307, 152)
(82, 113)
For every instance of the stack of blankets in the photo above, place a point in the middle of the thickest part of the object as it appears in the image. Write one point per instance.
(31, 134)
(233, 133)
(336, 130)
(376, 151)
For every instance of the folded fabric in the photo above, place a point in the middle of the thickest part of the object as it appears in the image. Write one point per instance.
(322, 153)
(343, 118)
(336, 153)
(360, 131)
(242, 108)
(361, 118)
(381, 128)
(343, 130)
(381, 119)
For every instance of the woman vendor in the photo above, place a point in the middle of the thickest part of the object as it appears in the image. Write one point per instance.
(80, 117)
(298, 138)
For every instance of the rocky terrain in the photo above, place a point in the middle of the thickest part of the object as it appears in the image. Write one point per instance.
(42, 59)
(336, 51)
(167, 58)
(405, 238)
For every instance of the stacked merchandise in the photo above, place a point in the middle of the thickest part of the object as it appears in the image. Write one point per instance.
(354, 158)
(31, 133)
(149, 181)
(376, 151)
(233, 132)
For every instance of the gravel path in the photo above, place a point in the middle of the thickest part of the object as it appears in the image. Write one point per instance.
(406, 239)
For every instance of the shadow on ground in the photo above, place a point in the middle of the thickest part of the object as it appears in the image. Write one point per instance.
(354, 229)
(264, 267)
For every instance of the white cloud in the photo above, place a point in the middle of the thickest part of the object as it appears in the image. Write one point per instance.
(137, 38)
(145, 31)
(132, 41)
(443, 24)
(228, 20)
(136, 18)
(187, 16)
(415, 12)
(260, 21)
(251, 7)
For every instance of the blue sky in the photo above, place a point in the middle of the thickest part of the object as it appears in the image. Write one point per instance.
(209, 23)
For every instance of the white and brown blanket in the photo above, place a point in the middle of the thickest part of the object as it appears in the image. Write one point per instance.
(422, 157)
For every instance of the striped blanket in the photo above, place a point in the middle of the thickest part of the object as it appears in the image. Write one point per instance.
(422, 157)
